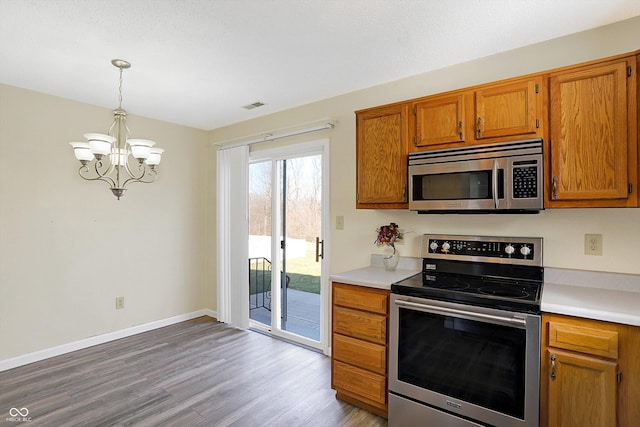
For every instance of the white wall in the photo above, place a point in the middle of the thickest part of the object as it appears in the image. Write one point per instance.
(562, 230)
(68, 247)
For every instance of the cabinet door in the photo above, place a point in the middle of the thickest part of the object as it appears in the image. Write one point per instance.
(592, 152)
(439, 121)
(381, 156)
(584, 339)
(360, 324)
(366, 355)
(507, 109)
(366, 386)
(361, 298)
(583, 392)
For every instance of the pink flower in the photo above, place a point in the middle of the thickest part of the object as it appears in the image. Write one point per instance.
(388, 234)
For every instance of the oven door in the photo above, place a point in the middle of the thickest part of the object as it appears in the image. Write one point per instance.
(469, 362)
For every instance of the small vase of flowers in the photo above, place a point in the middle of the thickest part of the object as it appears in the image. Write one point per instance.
(387, 236)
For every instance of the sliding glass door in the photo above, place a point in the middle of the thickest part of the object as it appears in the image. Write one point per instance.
(286, 244)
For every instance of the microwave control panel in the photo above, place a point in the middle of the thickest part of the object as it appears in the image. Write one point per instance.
(525, 180)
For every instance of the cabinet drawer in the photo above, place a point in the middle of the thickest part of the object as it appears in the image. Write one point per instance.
(358, 382)
(360, 324)
(598, 342)
(360, 353)
(360, 298)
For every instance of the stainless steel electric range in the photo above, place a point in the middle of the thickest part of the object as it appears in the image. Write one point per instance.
(464, 346)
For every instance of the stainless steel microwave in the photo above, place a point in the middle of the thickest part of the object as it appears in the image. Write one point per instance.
(504, 177)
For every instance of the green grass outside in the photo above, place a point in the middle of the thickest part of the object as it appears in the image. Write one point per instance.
(304, 274)
(300, 282)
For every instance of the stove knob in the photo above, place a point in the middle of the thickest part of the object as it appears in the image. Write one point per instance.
(433, 246)
(446, 246)
(509, 249)
(525, 250)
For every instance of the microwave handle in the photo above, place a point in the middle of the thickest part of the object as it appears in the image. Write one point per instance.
(495, 183)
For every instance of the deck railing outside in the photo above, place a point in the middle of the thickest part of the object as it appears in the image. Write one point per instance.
(259, 283)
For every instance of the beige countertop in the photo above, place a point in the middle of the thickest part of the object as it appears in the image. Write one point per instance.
(375, 276)
(612, 297)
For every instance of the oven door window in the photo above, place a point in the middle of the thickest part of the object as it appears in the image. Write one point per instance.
(476, 362)
(468, 185)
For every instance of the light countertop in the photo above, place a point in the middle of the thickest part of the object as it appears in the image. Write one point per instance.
(375, 276)
(611, 297)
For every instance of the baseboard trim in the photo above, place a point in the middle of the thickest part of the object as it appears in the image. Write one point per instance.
(36, 356)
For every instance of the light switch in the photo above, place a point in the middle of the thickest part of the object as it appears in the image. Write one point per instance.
(340, 222)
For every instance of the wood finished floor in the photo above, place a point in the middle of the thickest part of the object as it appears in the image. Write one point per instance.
(195, 373)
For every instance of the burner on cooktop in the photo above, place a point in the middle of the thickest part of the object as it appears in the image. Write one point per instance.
(451, 285)
(504, 291)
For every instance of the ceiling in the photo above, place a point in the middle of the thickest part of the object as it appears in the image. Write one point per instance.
(198, 62)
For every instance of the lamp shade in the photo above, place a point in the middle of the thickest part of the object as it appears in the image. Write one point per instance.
(99, 143)
(118, 156)
(82, 151)
(140, 148)
(154, 157)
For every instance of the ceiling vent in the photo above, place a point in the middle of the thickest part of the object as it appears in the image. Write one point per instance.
(254, 105)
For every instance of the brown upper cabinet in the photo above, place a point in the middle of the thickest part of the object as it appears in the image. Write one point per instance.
(592, 158)
(587, 115)
(508, 110)
(494, 112)
(382, 136)
(439, 120)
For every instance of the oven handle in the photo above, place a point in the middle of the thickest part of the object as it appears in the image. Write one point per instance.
(446, 310)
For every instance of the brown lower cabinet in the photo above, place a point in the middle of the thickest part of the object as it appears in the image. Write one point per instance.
(359, 344)
(590, 373)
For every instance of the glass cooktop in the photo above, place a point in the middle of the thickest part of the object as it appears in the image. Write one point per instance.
(507, 294)
(496, 272)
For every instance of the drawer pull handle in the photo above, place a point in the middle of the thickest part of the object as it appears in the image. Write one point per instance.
(553, 367)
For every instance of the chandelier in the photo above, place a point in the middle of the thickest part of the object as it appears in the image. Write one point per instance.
(113, 157)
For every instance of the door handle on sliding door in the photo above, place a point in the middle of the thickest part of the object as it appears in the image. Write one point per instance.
(319, 254)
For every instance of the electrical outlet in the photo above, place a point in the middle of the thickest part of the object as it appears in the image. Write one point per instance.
(339, 222)
(593, 244)
(119, 303)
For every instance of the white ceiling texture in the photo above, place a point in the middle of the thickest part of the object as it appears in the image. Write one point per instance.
(198, 62)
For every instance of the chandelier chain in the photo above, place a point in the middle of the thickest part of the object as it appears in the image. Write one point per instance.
(120, 90)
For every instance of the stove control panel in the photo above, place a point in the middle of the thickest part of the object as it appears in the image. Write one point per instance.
(467, 247)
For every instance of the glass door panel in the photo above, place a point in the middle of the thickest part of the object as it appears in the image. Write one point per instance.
(285, 200)
(302, 249)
